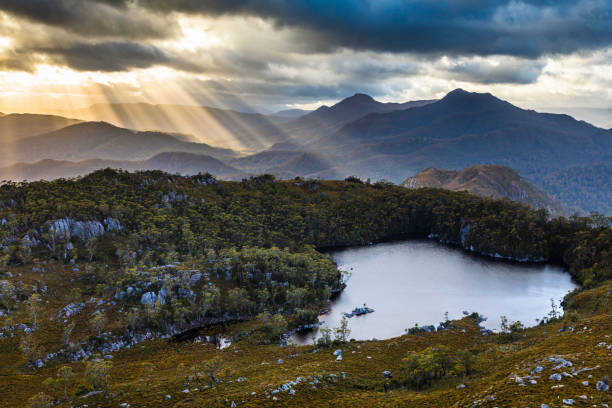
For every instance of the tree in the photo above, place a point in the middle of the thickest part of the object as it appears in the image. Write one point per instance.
(40, 400)
(97, 374)
(33, 308)
(273, 325)
(30, 348)
(65, 377)
(7, 294)
(209, 298)
(466, 358)
(421, 368)
(238, 301)
(510, 331)
(98, 323)
(325, 339)
(554, 310)
(91, 246)
(343, 331)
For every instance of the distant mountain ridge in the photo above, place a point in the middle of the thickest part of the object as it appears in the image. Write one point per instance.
(171, 162)
(17, 126)
(100, 140)
(356, 136)
(214, 126)
(326, 120)
(488, 181)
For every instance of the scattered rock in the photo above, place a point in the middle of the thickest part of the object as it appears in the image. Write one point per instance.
(358, 311)
(555, 377)
(602, 386)
(460, 386)
(148, 298)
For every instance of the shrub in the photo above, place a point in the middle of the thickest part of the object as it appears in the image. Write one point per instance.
(422, 368)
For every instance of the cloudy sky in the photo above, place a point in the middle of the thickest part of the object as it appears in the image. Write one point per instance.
(268, 55)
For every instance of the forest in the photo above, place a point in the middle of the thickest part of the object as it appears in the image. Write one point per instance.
(256, 239)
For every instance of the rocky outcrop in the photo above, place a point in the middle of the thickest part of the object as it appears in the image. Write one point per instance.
(69, 228)
(359, 311)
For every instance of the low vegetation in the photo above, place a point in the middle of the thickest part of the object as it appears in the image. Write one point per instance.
(126, 288)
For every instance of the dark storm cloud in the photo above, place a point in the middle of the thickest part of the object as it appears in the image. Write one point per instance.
(504, 72)
(458, 27)
(102, 18)
(116, 35)
(115, 56)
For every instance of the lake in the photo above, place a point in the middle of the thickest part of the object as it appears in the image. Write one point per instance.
(412, 282)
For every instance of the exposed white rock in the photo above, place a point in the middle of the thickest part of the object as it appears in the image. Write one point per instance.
(148, 298)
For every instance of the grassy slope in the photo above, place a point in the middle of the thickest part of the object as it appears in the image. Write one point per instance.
(362, 385)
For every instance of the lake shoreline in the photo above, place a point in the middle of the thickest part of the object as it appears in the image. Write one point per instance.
(464, 268)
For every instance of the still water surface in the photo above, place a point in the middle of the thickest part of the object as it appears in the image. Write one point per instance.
(412, 282)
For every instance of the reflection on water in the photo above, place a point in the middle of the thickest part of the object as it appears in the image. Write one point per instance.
(418, 281)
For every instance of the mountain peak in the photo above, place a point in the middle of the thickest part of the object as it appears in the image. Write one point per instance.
(462, 99)
(361, 96)
(358, 98)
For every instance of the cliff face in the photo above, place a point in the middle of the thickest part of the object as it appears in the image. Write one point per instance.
(487, 181)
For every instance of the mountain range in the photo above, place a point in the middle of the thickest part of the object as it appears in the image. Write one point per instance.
(357, 136)
(467, 128)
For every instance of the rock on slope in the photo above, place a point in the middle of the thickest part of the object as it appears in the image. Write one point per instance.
(487, 181)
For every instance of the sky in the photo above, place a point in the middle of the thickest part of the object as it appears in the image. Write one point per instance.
(268, 55)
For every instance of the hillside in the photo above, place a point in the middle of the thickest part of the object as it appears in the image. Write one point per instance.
(257, 163)
(328, 119)
(303, 165)
(99, 140)
(218, 127)
(118, 287)
(290, 114)
(487, 181)
(171, 162)
(587, 186)
(17, 126)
